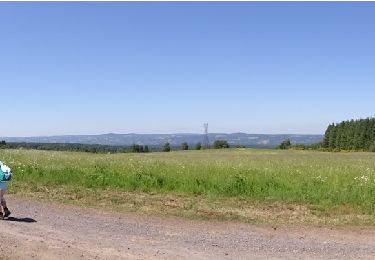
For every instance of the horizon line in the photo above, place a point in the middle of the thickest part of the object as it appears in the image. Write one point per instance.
(134, 133)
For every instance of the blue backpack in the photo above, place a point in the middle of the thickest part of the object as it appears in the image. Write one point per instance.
(5, 172)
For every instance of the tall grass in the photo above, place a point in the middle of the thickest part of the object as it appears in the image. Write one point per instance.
(312, 178)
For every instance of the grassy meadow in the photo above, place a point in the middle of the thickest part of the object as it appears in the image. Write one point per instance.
(246, 184)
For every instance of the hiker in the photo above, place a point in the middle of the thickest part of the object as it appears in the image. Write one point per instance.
(5, 176)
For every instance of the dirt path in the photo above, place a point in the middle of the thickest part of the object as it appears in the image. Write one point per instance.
(50, 231)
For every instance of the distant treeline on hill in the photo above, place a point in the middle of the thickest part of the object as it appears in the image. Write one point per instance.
(351, 135)
(98, 148)
(92, 148)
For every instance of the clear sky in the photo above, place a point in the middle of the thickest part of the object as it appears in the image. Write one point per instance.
(92, 68)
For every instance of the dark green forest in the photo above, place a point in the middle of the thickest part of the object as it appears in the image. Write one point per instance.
(92, 148)
(351, 135)
(95, 148)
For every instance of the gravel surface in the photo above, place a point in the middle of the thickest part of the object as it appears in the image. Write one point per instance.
(52, 231)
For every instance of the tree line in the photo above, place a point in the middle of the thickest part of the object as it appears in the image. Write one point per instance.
(218, 144)
(350, 135)
(73, 147)
(98, 148)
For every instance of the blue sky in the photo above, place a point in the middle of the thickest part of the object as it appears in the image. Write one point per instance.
(91, 68)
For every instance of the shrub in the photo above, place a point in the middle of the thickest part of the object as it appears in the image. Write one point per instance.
(218, 144)
(167, 147)
(285, 145)
(184, 146)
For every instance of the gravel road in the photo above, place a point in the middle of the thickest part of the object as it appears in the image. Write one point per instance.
(52, 231)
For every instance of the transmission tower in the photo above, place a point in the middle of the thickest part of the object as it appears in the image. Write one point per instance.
(206, 141)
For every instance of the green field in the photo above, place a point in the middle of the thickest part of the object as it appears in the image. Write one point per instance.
(248, 184)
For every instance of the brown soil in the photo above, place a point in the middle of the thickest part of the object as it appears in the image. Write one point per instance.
(42, 230)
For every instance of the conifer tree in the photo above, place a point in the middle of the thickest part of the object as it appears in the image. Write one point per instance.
(332, 138)
(326, 136)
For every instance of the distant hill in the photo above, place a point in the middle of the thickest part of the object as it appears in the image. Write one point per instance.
(249, 140)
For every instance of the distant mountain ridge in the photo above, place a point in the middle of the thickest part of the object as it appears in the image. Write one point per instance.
(250, 140)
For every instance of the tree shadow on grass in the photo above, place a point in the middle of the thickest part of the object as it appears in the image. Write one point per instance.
(23, 220)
